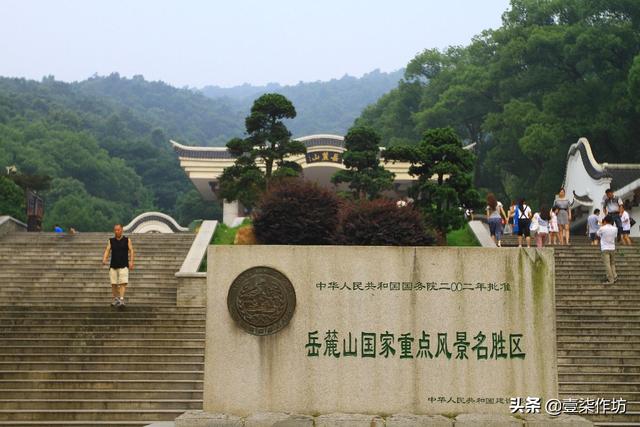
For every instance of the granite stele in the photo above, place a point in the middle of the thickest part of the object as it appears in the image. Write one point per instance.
(378, 330)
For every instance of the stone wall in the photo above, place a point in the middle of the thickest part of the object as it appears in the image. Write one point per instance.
(9, 225)
(191, 291)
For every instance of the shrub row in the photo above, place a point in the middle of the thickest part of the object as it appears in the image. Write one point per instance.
(298, 212)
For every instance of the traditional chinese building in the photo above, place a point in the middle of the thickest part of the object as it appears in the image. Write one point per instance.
(204, 165)
(586, 181)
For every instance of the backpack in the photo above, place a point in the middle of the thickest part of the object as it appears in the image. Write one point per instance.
(516, 215)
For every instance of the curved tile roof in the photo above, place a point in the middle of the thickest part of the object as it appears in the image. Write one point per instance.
(620, 174)
(222, 153)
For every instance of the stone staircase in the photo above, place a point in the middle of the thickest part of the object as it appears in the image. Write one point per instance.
(598, 327)
(68, 358)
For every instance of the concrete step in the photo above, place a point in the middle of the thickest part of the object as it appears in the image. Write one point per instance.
(161, 282)
(87, 309)
(597, 295)
(596, 324)
(95, 375)
(48, 423)
(106, 302)
(604, 377)
(601, 293)
(106, 342)
(599, 360)
(112, 365)
(65, 294)
(587, 386)
(69, 358)
(131, 314)
(621, 268)
(99, 335)
(47, 258)
(132, 298)
(91, 414)
(92, 348)
(75, 273)
(83, 322)
(80, 296)
(599, 317)
(103, 328)
(596, 331)
(598, 309)
(620, 337)
(104, 384)
(585, 303)
(38, 393)
(586, 368)
(75, 247)
(595, 278)
(595, 345)
(101, 349)
(606, 352)
(98, 404)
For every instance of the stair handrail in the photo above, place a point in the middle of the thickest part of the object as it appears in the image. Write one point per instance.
(198, 250)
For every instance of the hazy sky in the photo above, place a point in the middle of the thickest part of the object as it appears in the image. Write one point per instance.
(198, 43)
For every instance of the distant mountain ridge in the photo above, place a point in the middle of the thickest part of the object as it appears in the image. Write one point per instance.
(322, 106)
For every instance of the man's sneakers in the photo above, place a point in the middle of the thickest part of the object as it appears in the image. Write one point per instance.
(118, 303)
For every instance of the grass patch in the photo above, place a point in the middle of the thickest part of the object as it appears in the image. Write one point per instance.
(462, 237)
(224, 235)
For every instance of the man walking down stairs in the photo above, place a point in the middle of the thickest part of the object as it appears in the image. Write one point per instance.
(68, 359)
(122, 255)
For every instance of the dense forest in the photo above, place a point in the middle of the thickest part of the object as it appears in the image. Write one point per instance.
(108, 155)
(104, 141)
(322, 107)
(553, 72)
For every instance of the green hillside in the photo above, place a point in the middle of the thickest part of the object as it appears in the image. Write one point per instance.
(108, 156)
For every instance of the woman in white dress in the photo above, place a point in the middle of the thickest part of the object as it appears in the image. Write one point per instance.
(543, 219)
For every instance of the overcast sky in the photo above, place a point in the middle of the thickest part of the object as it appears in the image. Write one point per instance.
(197, 43)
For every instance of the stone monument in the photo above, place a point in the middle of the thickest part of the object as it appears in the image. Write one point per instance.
(378, 330)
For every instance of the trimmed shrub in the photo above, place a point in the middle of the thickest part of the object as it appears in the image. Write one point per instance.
(296, 212)
(381, 222)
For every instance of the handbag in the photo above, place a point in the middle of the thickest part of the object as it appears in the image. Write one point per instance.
(632, 221)
(533, 227)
